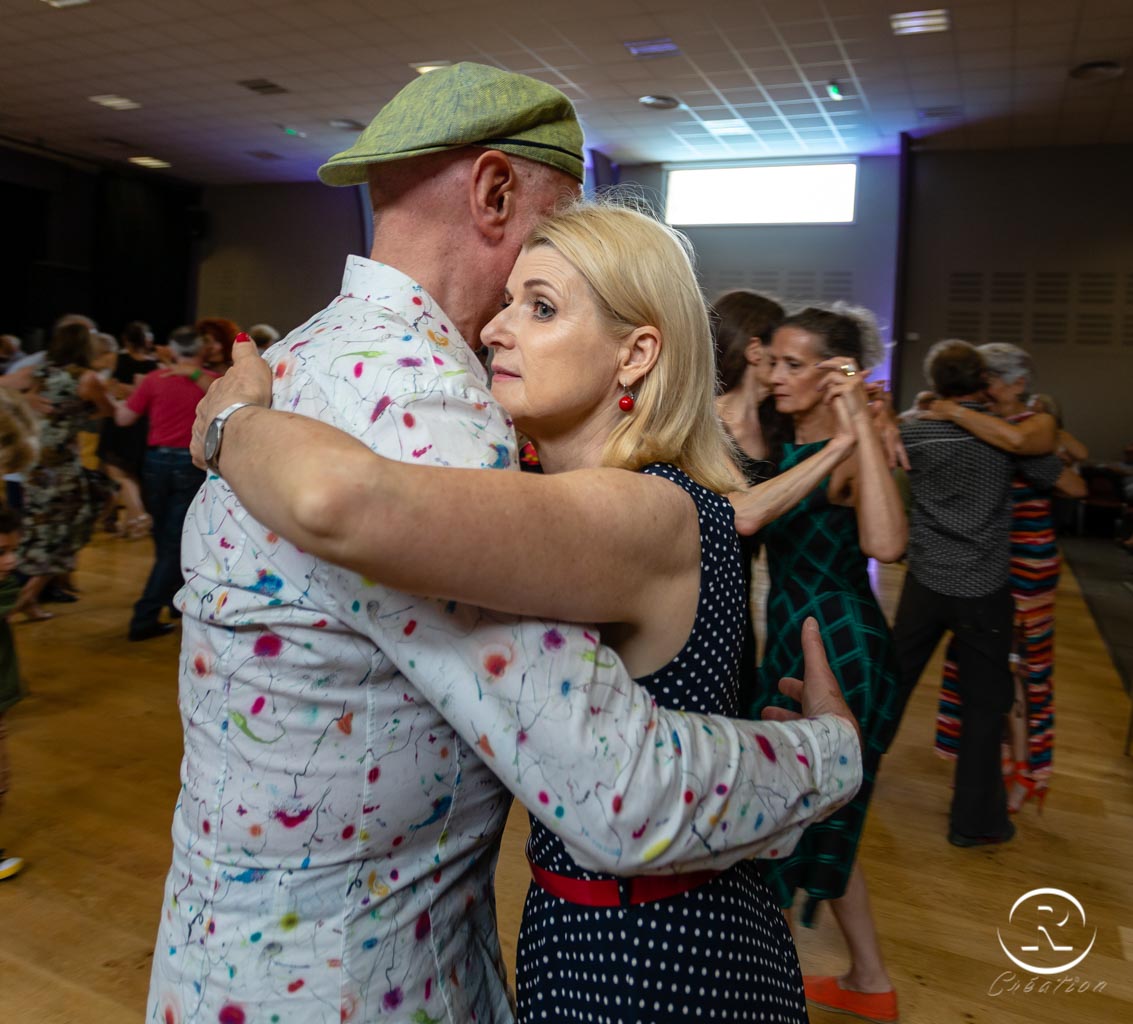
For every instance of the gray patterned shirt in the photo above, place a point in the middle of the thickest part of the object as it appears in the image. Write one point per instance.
(960, 519)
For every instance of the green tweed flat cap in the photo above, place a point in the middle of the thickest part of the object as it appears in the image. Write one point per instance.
(466, 105)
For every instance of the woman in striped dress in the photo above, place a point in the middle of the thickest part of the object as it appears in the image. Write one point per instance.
(1035, 565)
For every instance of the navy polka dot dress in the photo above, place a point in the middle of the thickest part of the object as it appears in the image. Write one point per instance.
(720, 952)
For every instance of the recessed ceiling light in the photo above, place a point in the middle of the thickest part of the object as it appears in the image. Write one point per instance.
(913, 23)
(423, 67)
(65, 3)
(659, 102)
(652, 47)
(346, 123)
(834, 91)
(728, 126)
(114, 102)
(1098, 71)
(149, 161)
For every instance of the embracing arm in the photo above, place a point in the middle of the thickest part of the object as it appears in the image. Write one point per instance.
(758, 505)
(1070, 448)
(93, 389)
(1036, 435)
(866, 479)
(1070, 484)
(627, 785)
(597, 541)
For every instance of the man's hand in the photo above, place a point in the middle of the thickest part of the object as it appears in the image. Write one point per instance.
(818, 691)
(249, 380)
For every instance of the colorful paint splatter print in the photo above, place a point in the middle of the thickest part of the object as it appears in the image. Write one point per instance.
(349, 750)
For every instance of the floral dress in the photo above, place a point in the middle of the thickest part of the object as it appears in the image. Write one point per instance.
(58, 502)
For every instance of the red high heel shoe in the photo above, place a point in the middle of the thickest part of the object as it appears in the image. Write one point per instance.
(1029, 786)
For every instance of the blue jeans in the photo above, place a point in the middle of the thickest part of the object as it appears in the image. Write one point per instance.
(169, 483)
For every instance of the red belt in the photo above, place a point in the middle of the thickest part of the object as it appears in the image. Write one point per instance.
(617, 892)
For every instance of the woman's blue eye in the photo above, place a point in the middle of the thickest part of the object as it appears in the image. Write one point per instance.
(543, 311)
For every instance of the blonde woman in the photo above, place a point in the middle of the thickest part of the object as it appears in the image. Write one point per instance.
(602, 357)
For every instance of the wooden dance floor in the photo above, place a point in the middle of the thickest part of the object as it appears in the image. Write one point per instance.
(95, 754)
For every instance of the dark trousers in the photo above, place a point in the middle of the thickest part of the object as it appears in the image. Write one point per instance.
(982, 627)
(169, 483)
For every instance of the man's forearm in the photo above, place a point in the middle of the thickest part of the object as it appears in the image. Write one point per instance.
(628, 786)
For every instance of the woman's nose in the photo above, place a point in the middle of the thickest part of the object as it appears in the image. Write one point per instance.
(495, 331)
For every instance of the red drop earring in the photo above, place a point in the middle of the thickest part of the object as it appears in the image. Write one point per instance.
(627, 401)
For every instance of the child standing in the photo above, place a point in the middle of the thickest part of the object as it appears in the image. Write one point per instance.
(10, 691)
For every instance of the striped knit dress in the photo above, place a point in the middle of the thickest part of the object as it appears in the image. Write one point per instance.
(1035, 564)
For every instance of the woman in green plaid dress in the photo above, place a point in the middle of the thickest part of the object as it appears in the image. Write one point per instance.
(817, 555)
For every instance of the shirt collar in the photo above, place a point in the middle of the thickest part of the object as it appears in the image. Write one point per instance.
(381, 284)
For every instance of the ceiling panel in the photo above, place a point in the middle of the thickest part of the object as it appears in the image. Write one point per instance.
(1003, 66)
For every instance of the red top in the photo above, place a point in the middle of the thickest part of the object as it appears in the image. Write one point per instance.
(171, 402)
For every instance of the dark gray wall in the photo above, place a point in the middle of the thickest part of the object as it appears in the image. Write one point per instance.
(114, 243)
(275, 253)
(1032, 247)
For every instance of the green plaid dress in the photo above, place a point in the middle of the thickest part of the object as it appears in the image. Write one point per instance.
(817, 568)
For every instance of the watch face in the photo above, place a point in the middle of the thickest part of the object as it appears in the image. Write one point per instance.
(212, 440)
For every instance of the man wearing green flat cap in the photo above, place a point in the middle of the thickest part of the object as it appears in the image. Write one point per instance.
(349, 750)
(335, 838)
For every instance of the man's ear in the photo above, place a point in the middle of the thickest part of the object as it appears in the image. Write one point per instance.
(640, 352)
(491, 193)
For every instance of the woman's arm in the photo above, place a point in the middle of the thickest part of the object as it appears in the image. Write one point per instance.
(758, 505)
(1070, 484)
(883, 530)
(1036, 435)
(92, 389)
(1070, 448)
(590, 545)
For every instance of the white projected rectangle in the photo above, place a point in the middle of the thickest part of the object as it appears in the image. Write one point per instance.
(762, 194)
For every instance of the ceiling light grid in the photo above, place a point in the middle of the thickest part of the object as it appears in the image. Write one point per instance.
(829, 34)
(1004, 63)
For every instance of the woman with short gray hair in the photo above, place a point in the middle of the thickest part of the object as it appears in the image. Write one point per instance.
(1009, 363)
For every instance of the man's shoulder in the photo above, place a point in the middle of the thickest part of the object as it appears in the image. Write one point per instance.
(922, 429)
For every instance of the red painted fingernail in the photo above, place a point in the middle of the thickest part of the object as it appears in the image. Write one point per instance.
(243, 336)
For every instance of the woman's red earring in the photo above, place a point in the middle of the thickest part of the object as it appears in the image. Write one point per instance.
(627, 401)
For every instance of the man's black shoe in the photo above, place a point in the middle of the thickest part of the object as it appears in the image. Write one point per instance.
(152, 629)
(958, 839)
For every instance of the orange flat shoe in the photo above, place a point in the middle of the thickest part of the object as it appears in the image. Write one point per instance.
(827, 993)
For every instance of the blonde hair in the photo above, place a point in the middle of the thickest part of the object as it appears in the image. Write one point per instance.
(640, 273)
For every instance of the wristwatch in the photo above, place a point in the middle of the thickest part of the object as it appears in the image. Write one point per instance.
(215, 434)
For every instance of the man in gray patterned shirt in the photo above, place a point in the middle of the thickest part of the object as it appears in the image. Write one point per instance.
(958, 581)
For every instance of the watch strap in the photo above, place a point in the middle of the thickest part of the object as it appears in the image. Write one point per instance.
(217, 427)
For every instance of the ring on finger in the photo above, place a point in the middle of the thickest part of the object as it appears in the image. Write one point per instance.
(848, 369)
